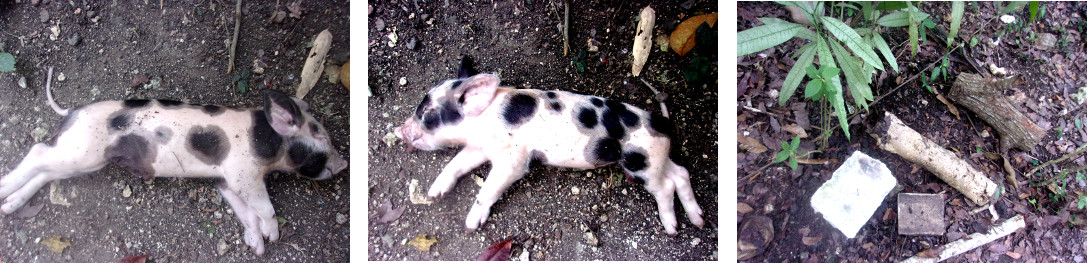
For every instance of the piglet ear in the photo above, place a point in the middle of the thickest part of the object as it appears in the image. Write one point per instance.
(477, 93)
(283, 114)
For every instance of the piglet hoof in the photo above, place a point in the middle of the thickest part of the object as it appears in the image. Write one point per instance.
(477, 216)
(440, 187)
(697, 221)
(255, 241)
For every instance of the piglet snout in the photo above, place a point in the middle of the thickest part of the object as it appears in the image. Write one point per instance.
(407, 134)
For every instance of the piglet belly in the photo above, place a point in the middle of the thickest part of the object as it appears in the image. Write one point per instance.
(561, 148)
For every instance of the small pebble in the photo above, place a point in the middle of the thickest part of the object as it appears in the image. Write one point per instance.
(61, 77)
(403, 81)
(74, 40)
(411, 44)
(341, 218)
(44, 16)
(379, 24)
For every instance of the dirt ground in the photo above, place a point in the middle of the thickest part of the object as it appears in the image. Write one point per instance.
(1050, 77)
(552, 214)
(99, 48)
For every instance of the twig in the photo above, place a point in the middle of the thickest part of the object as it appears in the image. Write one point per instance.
(1078, 151)
(234, 42)
(566, 30)
(657, 95)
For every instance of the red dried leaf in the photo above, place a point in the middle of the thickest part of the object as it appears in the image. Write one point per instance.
(499, 251)
(134, 259)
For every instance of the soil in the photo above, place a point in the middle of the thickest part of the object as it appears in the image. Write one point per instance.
(552, 214)
(180, 45)
(1055, 223)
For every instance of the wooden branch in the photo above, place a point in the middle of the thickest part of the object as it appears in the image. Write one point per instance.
(234, 41)
(897, 138)
(975, 240)
(985, 97)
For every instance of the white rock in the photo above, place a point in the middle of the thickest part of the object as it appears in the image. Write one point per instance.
(403, 81)
(853, 193)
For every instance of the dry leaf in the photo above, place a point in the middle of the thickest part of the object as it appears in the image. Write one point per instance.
(499, 251)
(388, 214)
(642, 42)
(315, 63)
(950, 106)
(134, 259)
(422, 243)
(345, 76)
(811, 241)
(932, 252)
(682, 39)
(1013, 255)
(743, 208)
(795, 129)
(55, 244)
(750, 144)
(29, 211)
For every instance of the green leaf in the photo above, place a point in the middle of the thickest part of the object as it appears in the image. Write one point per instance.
(852, 40)
(1079, 124)
(7, 62)
(796, 74)
(1033, 10)
(956, 19)
(839, 105)
(765, 36)
(1082, 202)
(782, 155)
(891, 5)
(795, 144)
(814, 88)
(855, 78)
(1013, 6)
(809, 8)
(896, 19)
(885, 50)
(829, 72)
(812, 72)
(973, 41)
(792, 163)
(913, 22)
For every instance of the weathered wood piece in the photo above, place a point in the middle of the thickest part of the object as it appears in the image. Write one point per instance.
(974, 241)
(985, 97)
(895, 137)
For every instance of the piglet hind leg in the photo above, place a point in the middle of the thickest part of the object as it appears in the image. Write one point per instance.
(465, 161)
(43, 164)
(503, 174)
(250, 202)
(663, 190)
(681, 178)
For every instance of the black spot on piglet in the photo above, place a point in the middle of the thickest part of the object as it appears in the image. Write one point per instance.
(133, 153)
(212, 109)
(170, 103)
(136, 103)
(587, 118)
(607, 150)
(309, 163)
(660, 126)
(519, 109)
(119, 121)
(209, 144)
(266, 142)
(633, 161)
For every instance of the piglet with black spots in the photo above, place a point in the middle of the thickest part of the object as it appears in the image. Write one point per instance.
(164, 138)
(512, 128)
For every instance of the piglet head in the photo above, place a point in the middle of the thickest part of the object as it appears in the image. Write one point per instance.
(309, 150)
(447, 105)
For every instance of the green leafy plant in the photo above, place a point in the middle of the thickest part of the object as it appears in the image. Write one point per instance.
(788, 152)
(7, 62)
(1082, 202)
(828, 39)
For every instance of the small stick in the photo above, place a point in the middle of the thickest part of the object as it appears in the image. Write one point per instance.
(657, 94)
(975, 240)
(234, 41)
(1078, 151)
(566, 30)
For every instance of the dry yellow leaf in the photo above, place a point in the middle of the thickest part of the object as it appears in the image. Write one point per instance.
(345, 76)
(682, 39)
(750, 144)
(55, 244)
(422, 243)
(642, 42)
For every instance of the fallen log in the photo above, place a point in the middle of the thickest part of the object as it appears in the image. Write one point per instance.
(895, 137)
(985, 97)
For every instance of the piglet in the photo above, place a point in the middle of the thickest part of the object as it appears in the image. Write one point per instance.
(164, 138)
(513, 127)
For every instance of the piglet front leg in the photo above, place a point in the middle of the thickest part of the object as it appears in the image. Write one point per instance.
(251, 204)
(504, 172)
(467, 159)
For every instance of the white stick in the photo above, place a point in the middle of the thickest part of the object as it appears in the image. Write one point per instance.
(974, 241)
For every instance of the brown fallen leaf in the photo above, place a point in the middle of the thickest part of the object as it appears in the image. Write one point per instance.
(388, 214)
(811, 241)
(682, 39)
(932, 252)
(950, 106)
(345, 74)
(499, 251)
(134, 259)
(750, 144)
(743, 208)
(422, 243)
(795, 129)
(29, 211)
(1013, 255)
(55, 244)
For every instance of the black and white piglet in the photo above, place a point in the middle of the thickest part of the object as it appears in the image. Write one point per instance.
(513, 127)
(163, 138)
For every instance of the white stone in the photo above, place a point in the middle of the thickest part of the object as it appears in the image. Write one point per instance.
(853, 193)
